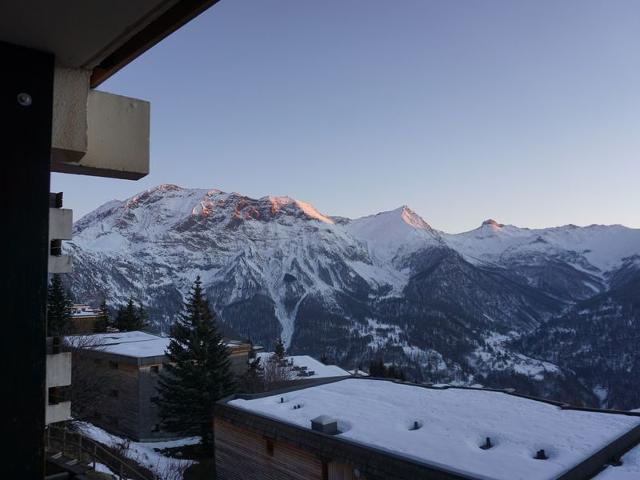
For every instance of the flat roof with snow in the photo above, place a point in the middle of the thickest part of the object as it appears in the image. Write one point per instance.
(137, 345)
(452, 423)
(128, 344)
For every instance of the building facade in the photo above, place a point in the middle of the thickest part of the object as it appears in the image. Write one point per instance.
(379, 429)
(85, 318)
(126, 368)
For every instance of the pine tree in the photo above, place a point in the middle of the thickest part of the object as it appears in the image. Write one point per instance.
(58, 308)
(377, 368)
(103, 321)
(279, 350)
(130, 317)
(197, 374)
(252, 380)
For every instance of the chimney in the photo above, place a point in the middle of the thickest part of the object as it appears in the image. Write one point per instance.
(325, 424)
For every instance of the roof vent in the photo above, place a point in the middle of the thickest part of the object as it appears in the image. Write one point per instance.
(487, 444)
(615, 461)
(416, 425)
(541, 455)
(325, 424)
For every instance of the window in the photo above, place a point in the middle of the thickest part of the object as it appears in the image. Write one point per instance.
(155, 368)
(113, 365)
(269, 447)
(114, 393)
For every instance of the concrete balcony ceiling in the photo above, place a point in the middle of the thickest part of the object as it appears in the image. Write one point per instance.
(101, 36)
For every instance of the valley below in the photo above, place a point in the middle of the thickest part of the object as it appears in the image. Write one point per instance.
(550, 312)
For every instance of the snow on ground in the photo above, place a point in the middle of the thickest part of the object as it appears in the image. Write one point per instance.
(381, 333)
(454, 423)
(142, 452)
(602, 393)
(319, 369)
(495, 356)
(102, 468)
(629, 470)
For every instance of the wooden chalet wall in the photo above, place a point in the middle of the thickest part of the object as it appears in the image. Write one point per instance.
(244, 455)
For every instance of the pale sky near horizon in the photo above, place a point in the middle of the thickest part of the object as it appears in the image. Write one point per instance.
(527, 112)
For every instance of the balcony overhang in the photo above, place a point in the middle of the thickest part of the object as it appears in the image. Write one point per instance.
(96, 133)
(100, 36)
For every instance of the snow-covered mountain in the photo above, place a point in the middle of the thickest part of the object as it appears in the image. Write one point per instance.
(443, 306)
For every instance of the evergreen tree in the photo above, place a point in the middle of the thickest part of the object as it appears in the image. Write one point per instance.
(279, 350)
(197, 374)
(324, 359)
(58, 308)
(252, 380)
(130, 317)
(377, 368)
(103, 321)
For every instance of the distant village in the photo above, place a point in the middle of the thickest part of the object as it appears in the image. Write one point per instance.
(227, 409)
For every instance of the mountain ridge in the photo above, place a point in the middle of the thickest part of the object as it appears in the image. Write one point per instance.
(381, 285)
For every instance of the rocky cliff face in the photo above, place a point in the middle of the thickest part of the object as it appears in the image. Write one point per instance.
(468, 307)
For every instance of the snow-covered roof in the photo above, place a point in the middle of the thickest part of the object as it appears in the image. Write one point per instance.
(629, 470)
(129, 344)
(308, 367)
(453, 423)
(81, 310)
(134, 344)
(358, 373)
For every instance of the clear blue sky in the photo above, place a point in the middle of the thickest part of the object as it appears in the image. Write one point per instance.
(524, 111)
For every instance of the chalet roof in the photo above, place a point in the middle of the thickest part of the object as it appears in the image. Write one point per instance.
(134, 344)
(129, 344)
(80, 310)
(309, 367)
(444, 427)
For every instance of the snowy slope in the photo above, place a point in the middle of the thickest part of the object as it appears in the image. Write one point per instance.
(393, 234)
(597, 248)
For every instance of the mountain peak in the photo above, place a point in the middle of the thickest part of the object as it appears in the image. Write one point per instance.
(412, 219)
(282, 202)
(491, 222)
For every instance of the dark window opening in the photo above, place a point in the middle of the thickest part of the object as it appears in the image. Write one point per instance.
(270, 447)
(56, 248)
(113, 365)
(155, 368)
